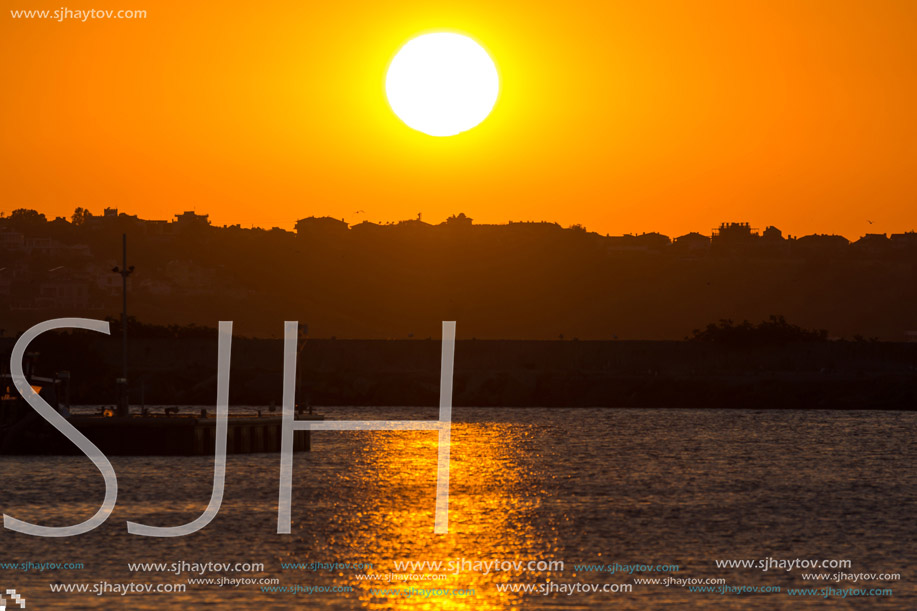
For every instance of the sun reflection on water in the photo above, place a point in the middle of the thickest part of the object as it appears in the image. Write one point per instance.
(492, 505)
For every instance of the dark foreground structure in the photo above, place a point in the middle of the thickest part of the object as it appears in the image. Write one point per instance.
(792, 375)
(24, 432)
(155, 436)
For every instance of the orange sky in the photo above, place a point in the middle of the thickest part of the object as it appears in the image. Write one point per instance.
(622, 116)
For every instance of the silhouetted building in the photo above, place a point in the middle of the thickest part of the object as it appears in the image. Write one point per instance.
(734, 238)
(873, 244)
(904, 241)
(365, 228)
(157, 228)
(192, 219)
(734, 233)
(40, 246)
(371, 278)
(820, 245)
(12, 241)
(62, 293)
(773, 244)
(693, 242)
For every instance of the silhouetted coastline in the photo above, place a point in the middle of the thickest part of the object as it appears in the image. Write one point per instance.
(536, 281)
(792, 375)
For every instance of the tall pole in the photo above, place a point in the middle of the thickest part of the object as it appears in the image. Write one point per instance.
(125, 271)
(125, 402)
(303, 336)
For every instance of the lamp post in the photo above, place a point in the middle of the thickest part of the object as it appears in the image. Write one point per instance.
(125, 271)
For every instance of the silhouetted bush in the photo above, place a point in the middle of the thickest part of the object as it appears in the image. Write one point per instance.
(141, 330)
(774, 330)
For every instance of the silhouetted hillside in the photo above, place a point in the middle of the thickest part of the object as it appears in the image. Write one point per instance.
(515, 281)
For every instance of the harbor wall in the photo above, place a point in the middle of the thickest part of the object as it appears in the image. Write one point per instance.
(841, 375)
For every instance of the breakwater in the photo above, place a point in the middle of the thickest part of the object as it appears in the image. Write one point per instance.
(827, 374)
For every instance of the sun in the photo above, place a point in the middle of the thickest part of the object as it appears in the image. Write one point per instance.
(442, 84)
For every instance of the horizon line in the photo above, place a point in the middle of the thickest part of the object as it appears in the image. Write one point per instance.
(459, 217)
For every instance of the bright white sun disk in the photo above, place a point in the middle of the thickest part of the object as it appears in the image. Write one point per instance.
(442, 84)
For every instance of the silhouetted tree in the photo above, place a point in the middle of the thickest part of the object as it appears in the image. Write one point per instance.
(24, 218)
(80, 215)
(774, 330)
(143, 330)
(459, 219)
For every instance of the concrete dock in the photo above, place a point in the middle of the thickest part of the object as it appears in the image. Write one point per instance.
(172, 435)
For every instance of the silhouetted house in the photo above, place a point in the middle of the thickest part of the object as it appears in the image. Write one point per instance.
(818, 245)
(192, 219)
(654, 240)
(62, 293)
(366, 228)
(56, 289)
(41, 246)
(773, 243)
(191, 277)
(734, 234)
(155, 228)
(874, 244)
(12, 241)
(110, 283)
(906, 241)
(321, 225)
(693, 242)
(110, 218)
(772, 234)
(411, 227)
(80, 250)
(734, 238)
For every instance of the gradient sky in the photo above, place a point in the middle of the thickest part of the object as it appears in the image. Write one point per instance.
(621, 116)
